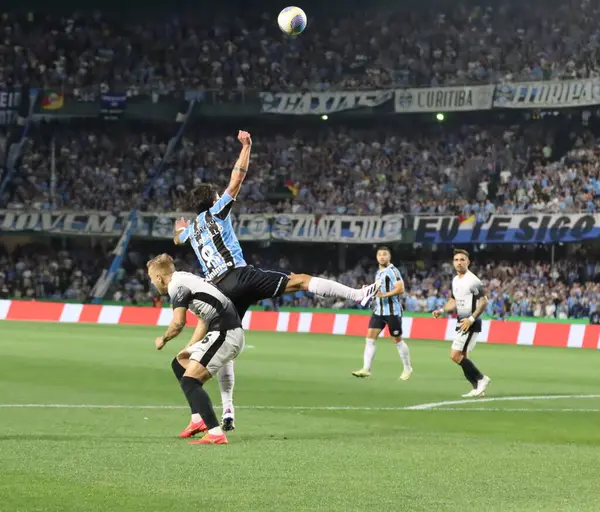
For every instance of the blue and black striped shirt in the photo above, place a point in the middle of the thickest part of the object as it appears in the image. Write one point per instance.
(214, 241)
(390, 306)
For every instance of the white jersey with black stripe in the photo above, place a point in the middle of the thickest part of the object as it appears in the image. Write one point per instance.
(466, 290)
(203, 299)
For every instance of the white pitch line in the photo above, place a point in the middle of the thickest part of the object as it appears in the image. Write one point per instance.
(436, 405)
(255, 407)
(500, 409)
(433, 406)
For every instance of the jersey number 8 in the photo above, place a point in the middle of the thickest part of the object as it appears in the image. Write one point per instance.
(210, 256)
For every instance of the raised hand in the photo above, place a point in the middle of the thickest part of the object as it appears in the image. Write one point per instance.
(181, 224)
(244, 138)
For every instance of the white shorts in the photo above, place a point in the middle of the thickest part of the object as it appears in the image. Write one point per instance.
(464, 341)
(217, 349)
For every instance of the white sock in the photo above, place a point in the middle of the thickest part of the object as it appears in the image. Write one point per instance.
(404, 354)
(328, 288)
(196, 418)
(369, 354)
(216, 431)
(226, 383)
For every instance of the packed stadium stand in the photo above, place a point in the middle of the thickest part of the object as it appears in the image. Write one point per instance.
(467, 170)
(357, 47)
(473, 167)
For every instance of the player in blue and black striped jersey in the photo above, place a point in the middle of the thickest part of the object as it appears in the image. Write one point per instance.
(215, 243)
(387, 310)
(212, 237)
(218, 250)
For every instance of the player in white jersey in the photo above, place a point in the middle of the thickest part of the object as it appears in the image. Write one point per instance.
(469, 301)
(216, 342)
(387, 310)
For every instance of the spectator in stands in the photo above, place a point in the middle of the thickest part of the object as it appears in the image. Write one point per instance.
(373, 48)
(351, 172)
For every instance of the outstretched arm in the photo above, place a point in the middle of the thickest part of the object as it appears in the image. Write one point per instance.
(238, 174)
(222, 207)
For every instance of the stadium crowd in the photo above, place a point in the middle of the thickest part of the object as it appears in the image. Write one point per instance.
(535, 289)
(465, 171)
(350, 48)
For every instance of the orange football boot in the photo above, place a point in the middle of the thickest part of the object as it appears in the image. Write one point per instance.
(193, 428)
(212, 439)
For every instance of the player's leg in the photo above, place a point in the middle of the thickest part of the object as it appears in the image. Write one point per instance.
(196, 425)
(215, 353)
(250, 284)
(235, 286)
(394, 324)
(329, 288)
(462, 346)
(226, 379)
(461, 342)
(192, 384)
(376, 325)
(244, 286)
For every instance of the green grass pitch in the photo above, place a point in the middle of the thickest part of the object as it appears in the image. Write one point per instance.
(291, 452)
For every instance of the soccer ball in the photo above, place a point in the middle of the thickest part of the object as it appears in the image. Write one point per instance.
(292, 21)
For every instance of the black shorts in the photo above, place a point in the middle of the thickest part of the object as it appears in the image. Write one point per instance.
(246, 286)
(393, 322)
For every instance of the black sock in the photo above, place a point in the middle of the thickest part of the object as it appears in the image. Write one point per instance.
(178, 370)
(470, 379)
(199, 401)
(471, 371)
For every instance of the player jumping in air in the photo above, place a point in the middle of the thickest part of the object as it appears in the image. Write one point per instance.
(216, 342)
(387, 311)
(213, 239)
(469, 300)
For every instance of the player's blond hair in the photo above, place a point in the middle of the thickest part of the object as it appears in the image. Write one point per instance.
(163, 263)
